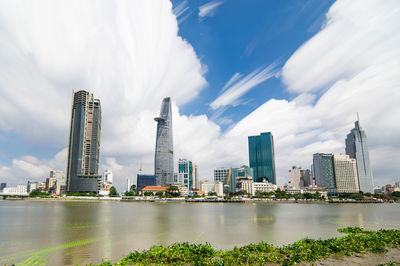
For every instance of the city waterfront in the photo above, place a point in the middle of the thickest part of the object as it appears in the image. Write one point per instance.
(68, 233)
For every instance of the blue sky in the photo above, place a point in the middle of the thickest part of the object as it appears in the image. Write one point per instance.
(243, 35)
(301, 69)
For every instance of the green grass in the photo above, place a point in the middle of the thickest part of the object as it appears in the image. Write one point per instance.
(354, 240)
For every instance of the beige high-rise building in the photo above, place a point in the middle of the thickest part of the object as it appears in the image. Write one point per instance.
(345, 169)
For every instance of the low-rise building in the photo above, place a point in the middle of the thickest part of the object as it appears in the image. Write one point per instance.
(153, 189)
(19, 190)
(263, 186)
(207, 186)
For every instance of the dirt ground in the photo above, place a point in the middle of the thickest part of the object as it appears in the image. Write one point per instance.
(392, 255)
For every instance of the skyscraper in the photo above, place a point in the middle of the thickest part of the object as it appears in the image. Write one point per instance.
(164, 154)
(187, 174)
(357, 148)
(84, 143)
(262, 157)
(324, 172)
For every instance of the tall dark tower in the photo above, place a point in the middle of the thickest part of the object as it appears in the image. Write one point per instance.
(164, 154)
(357, 148)
(84, 143)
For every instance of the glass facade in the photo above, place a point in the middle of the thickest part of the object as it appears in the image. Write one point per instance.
(324, 172)
(236, 174)
(262, 157)
(357, 148)
(187, 174)
(164, 154)
(145, 180)
(84, 143)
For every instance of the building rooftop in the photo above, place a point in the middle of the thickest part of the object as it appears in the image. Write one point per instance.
(153, 188)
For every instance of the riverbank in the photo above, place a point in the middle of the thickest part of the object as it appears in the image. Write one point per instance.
(356, 245)
(190, 200)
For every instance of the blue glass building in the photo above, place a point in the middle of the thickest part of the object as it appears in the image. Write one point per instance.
(164, 154)
(236, 174)
(145, 180)
(84, 143)
(324, 172)
(357, 148)
(262, 157)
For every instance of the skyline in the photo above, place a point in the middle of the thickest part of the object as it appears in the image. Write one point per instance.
(212, 115)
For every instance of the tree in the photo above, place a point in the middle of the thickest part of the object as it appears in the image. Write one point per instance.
(113, 192)
(173, 191)
(132, 189)
(212, 193)
(148, 193)
(37, 193)
(160, 194)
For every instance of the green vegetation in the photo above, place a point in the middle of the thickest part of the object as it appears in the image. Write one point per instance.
(82, 194)
(280, 194)
(355, 240)
(130, 193)
(173, 191)
(37, 193)
(113, 192)
(148, 193)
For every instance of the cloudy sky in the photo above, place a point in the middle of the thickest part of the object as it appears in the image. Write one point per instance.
(301, 69)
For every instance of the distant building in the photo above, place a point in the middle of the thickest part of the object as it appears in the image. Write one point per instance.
(262, 157)
(60, 182)
(154, 189)
(108, 176)
(299, 178)
(207, 186)
(236, 174)
(308, 178)
(19, 190)
(188, 174)
(164, 154)
(296, 177)
(221, 174)
(144, 181)
(3, 186)
(357, 148)
(263, 186)
(84, 143)
(345, 174)
(219, 188)
(324, 172)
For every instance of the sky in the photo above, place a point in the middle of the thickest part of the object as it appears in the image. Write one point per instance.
(300, 69)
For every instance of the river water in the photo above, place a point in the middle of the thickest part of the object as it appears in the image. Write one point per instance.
(70, 233)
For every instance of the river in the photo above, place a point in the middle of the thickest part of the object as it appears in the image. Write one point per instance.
(70, 233)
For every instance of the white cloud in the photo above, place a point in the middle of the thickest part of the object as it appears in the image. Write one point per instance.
(357, 34)
(234, 89)
(135, 58)
(209, 8)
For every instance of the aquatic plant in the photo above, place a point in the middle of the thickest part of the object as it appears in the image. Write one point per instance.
(356, 240)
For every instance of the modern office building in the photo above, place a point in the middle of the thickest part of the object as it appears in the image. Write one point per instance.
(188, 174)
(237, 174)
(357, 148)
(221, 174)
(308, 178)
(324, 172)
(164, 153)
(345, 174)
(144, 181)
(3, 186)
(84, 143)
(262, 157)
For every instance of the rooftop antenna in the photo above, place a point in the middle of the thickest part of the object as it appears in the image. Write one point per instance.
(358, 118)
(140, 169)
